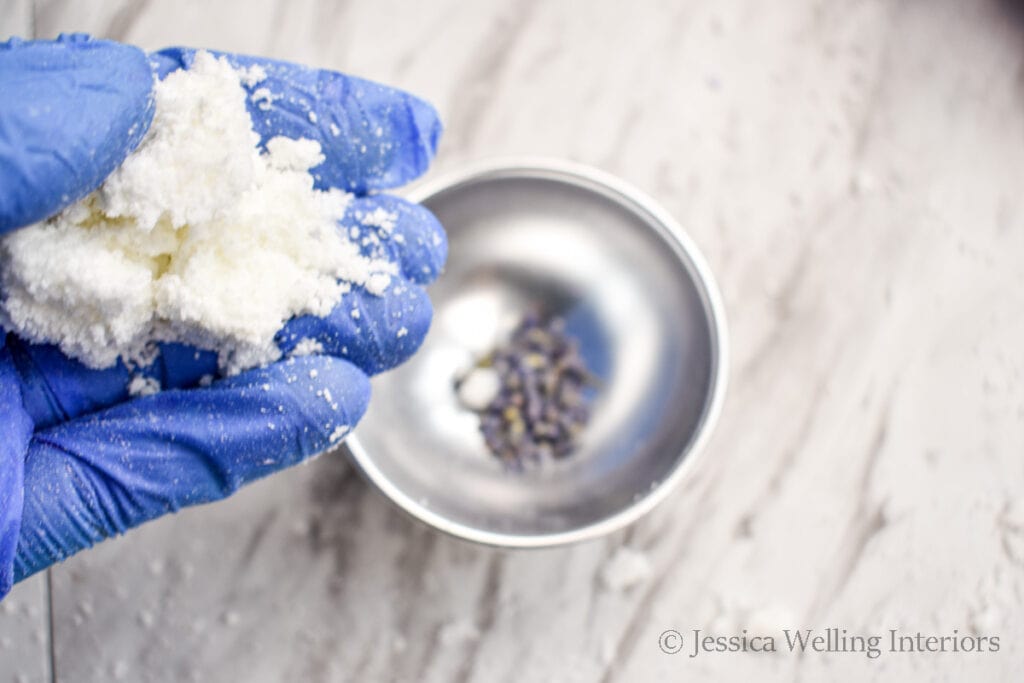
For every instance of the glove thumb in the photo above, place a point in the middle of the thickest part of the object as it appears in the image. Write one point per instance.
(102, 474)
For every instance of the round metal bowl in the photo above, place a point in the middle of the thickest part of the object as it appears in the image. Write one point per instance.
(572, 242)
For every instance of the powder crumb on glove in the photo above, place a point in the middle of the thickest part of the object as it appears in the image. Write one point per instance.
(141, 385)
(252, 75)
(197, 238)
(307, 346)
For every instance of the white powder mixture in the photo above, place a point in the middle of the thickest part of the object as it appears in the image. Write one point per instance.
(197, 238)
(478, 388)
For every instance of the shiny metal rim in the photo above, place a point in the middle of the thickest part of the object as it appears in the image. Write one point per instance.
(629, 197)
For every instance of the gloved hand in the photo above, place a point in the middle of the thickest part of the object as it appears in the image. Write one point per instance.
(79, 461)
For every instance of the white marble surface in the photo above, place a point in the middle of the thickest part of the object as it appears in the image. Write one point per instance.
(852, 172)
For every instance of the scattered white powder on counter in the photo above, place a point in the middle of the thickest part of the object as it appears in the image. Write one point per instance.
(197, 238)
(771, 619)
(863, 183)
(458, 632)
(146, 618)
(625, 569)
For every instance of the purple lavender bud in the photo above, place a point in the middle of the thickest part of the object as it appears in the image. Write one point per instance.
(540, 407)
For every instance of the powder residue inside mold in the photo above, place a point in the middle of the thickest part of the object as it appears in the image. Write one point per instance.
(199, 237)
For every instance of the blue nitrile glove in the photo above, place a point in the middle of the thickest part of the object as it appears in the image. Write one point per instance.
(79, 461)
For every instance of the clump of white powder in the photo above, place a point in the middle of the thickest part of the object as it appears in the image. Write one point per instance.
(458, 632)
(307, 346)
(478, 388)
(197, 237)
(143, 386)
(625, 569)
(339, 433)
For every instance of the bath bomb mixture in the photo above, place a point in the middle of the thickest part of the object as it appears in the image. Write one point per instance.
(198, 237)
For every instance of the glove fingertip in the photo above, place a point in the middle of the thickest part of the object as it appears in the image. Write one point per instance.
(425, 131)
(412, 326)
(311, 401)
(376, 333)
(374, 136)
(72, 110)
(405, 233)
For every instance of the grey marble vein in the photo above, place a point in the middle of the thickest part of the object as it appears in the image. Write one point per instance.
(476, 83)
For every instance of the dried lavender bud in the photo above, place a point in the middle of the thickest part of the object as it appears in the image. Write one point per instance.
(567, 395)
(563, 448)
(539, 409)
(535, 360)
(538, 340)
(545, 430)
(534, 406)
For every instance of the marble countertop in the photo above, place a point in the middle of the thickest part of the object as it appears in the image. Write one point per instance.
(852, 172)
